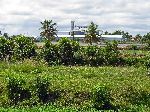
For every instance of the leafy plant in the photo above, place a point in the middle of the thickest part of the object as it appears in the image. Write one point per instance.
(137, 97)
(92, 34)
(16, 92)
(93, 55)
(6, 48)
(24, 47)
(67, 49)
(50, 53)
(131, 61)
(111, 53)
(42, 89)
(49, 29)
(102, 98)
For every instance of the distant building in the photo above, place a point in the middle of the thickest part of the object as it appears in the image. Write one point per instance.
(78, 32)
(112, 37)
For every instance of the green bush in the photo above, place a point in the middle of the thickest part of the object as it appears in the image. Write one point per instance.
(147, 61)
(111, 53)
(79, 57)
(50, 53)
(102, 98)
(137, 97)
(67, 49)
(132, 47)
(42, 89)
(16, 91)
(44, 93)
(6, 48)
(93, 55)
(131, 61)
(24, 47)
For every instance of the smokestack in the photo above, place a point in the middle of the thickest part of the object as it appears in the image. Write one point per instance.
(72, 29)
(72, 25)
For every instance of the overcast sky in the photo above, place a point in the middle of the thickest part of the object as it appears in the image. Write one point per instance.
(24, 16)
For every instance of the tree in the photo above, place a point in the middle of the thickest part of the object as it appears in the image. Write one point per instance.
(49, 30)
(125, 35)
(146, 37)
(92, 34)
(0, 33)
(107, 33)
(138, 37)
(6, 35)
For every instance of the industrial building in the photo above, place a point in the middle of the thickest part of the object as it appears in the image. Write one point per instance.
(78, 32)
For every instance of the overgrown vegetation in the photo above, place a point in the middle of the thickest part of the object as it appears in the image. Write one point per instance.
(32, 84)
(64, 75)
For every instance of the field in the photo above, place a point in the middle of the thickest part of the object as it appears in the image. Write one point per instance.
(129, 86)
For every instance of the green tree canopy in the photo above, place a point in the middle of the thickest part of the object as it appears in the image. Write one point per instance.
(138, 37)
(146, 37)
(92, 34)
(48, 29)
(126, 35)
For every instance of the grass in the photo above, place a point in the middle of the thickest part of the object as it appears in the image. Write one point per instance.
(133, 53)
(76, 85)
(55, 109)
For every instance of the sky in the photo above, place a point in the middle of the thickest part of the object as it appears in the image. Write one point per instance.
(24, 16)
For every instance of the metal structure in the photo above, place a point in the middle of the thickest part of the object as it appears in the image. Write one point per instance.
(72, 29)
(78, 32)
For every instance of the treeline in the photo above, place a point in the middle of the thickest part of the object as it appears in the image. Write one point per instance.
(66, 52)
(128, 37)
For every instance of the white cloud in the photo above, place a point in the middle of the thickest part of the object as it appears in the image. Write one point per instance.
(24, 16)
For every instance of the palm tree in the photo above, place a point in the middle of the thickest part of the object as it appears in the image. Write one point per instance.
(48, 30)
(92, 34)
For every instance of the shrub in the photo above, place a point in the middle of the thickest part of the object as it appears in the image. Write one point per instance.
(137, 97)
(111, 53)
(50, 53)
(43, 92)
(67, 49)
(102, 98)
(6, 48)
(147, 61)
(131, 61)
(132, 47)
(24, 47)
(16, 92)
(79, 57)
(42, 89)
(93, 55)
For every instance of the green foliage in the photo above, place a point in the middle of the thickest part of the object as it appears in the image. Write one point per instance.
(79, 57)
(6, 48)
(24, 47)
(102, 98)
(132, 47)
(146, 38)
(50, 53)
(126, 35)
(16, 91)
(43, 92)
(49, 30)
(131, 61)
(75, 86)
(42, 89)
(137, 97)
(92, 34)
(67, 49)
(138, 37)
(93, 55)
(111, 53)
